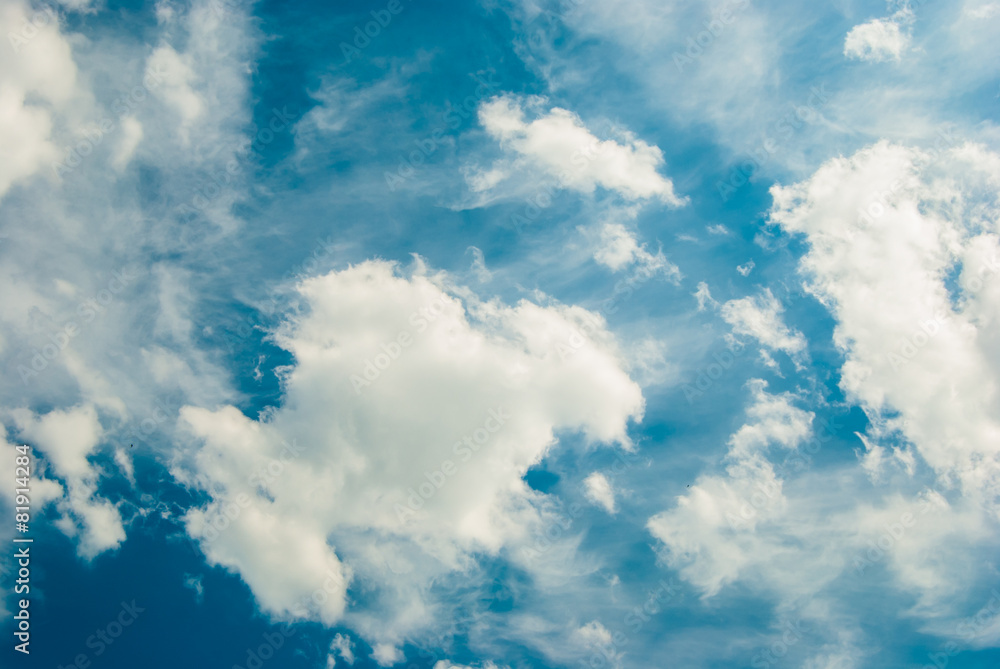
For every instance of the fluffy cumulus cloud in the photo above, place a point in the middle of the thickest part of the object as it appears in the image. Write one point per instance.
(67, 439)
(341, 647)
(361, 461)
(880, 39)
(710, 535)
(618, 249)
(903, 249)
(743, 526)
(556, 144)
(598, 490)
(408, 421)
(760, 317)
(386, 655)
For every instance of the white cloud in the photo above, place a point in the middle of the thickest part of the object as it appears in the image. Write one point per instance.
(43, 490)
(124, 461)
(558, 145)
(984, 11)
(76, 4)
(479, 269)
(131, 136)
(598, 490)
(879, 39)
(67, 439)
(417, 416)
(386, 655)
(618, 249)
(746, 268)
(710, 535)
(178, 76)
(73, 244)
(596, 639)
(704, 296)
(342, 108)
(194, 582)
(885, 228)
(654, 42)
(650, 362)
(343, 647)
(760, 317)
(38, 79)
(593, 635)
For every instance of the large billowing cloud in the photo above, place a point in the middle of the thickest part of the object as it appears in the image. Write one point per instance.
(409, 419)
(903, 250)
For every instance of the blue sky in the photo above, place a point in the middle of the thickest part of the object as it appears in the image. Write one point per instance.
(502, 334)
